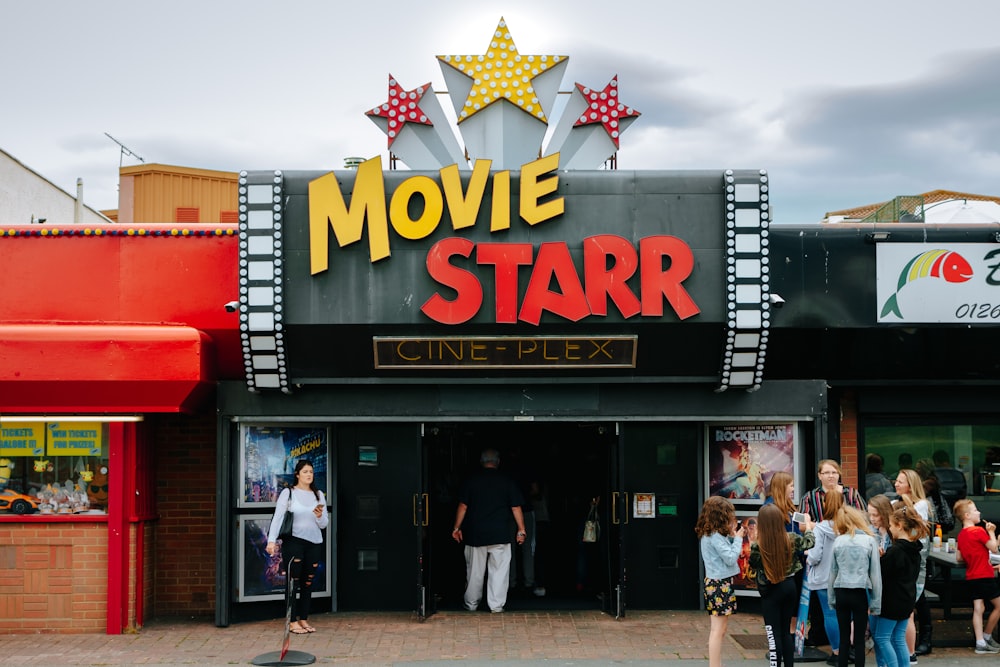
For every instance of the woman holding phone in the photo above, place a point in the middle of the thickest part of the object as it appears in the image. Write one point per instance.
(301, 552)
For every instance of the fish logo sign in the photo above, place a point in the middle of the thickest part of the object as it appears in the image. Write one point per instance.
(945, 264)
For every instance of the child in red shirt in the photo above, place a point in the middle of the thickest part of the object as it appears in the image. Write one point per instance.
(974, 547)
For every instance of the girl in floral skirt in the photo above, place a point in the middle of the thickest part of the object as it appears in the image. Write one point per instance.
(721, 541)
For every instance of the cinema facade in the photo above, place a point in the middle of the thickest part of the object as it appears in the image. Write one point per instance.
(625, 346)
(646, 338)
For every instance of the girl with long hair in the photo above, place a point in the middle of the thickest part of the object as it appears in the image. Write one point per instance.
(818, 560)
(302, 551)
(720, 541)
(910, 488)
(781, 492)
(855, 580)
(899, 567)
(776, 557)
(879, 511)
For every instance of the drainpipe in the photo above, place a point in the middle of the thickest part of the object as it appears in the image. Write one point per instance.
(78, 209)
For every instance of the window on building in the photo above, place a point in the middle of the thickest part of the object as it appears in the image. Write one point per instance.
(972, 449)
(53, 467)
(229, 216)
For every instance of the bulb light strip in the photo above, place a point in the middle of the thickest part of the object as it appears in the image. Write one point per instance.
(261, 255)
(748, 307)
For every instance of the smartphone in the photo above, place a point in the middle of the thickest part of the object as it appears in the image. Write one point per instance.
(798, 517)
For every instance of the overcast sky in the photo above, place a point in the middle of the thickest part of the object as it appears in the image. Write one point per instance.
(844, 103)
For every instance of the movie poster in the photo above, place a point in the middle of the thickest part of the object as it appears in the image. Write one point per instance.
(269, 457)
(744, 582)
(743, 457)
(262, 577)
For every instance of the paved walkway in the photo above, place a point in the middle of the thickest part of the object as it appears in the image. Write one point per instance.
(476, 638)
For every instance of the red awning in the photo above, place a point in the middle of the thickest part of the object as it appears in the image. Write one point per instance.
(53, 368)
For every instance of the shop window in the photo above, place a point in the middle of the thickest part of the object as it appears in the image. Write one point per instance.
(53, 467)
(971, 449)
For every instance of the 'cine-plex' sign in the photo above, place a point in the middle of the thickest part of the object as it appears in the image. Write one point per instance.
(478, 352)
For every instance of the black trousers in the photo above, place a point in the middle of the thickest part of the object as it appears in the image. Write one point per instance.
(778, 605)
(300, 558)
(852, 605)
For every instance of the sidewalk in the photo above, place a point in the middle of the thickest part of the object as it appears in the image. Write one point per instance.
(512, 638)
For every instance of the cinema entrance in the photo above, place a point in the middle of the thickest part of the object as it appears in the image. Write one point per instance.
(394, 480)
(639, 559)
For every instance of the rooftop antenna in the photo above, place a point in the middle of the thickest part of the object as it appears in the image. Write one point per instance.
(125, 151)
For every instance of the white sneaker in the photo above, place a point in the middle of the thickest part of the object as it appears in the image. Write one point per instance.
(992, 643)
(540, 592)
(984, 648)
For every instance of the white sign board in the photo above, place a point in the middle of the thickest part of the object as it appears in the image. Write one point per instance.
(938, 283)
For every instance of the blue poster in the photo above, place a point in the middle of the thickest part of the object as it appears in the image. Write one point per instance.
(270, 454)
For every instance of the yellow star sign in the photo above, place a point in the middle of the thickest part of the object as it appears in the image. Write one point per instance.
(502, 74)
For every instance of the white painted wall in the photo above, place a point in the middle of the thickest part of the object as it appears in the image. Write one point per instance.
(24, 193)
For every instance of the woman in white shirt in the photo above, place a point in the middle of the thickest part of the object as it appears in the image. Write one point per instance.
(302, 551)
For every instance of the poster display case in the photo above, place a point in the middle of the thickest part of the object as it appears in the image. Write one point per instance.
(268, 456)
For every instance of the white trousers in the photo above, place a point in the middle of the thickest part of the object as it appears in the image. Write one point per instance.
(496, 559)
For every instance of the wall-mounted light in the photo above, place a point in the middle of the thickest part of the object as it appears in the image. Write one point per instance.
(9, 419)
(877, 237)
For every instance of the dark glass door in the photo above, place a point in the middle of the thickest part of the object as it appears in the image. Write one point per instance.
(655, 510)
(382, 512)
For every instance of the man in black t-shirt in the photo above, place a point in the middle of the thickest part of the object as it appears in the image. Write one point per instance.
(485, 504)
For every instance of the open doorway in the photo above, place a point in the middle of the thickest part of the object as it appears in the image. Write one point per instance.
(565, 464)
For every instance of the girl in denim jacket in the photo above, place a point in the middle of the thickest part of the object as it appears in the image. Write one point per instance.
(855, 583)
(721, 541)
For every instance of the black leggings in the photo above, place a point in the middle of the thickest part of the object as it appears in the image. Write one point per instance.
(301, 557)
(852, 605)
(778, 606)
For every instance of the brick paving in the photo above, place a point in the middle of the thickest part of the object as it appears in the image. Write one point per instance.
(552, 637)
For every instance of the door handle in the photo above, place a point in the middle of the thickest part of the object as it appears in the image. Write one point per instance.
(426, 514)
(614, 507)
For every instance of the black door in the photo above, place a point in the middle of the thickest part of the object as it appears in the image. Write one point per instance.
(568, 463)
(379, 546)
(657, 507)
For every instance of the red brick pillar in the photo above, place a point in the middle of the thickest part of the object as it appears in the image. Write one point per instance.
(849, 453)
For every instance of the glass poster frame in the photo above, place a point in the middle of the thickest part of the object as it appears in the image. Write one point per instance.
(260, 575)
(268, 454)
(741, 458)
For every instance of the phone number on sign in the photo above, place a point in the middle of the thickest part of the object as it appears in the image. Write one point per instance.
(978, 311)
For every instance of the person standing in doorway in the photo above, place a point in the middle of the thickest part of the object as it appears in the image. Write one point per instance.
(485, 505)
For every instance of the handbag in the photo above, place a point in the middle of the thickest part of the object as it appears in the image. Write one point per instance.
(591, 527)
(286, 526)
(286, 521)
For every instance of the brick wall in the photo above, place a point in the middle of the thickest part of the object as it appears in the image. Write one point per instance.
(53, 577)
(185, 556)
(849, 463)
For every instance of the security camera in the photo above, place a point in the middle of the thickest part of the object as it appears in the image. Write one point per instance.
(776, 300)
(232, 306)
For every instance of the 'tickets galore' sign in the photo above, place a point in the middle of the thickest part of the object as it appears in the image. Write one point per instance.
(660, 263)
